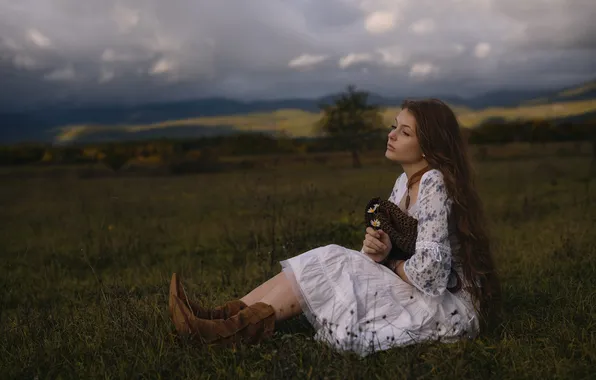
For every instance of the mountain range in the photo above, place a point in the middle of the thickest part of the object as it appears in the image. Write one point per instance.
(46, 124)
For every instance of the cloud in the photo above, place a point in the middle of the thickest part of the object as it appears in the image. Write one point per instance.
(482, 50)
(106, 75)
(458, 48)
(423, 26)
(38, 38)
(141, 50)
(109, 55)
(354, 59)
(64, 74)
(125, 18)
(392, 56)
(162, 66)
(551, 24)
(306, 60)
(25, 62)
(422, 69)
(380, 22)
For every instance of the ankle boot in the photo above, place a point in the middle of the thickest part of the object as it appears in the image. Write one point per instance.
(251, 325)
(224, 311)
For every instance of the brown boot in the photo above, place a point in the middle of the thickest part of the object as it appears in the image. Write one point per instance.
(221, 312)
(250, 325)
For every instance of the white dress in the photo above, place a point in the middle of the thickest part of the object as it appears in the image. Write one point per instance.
(358, 305)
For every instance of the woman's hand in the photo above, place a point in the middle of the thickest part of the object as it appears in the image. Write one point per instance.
(376, 244)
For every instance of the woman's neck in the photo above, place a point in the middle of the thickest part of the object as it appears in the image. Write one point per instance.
(411, 169)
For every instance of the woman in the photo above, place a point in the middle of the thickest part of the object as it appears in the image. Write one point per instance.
(358, 301)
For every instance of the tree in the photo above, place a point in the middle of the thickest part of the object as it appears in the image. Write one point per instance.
(351, 121)
(115, 156)
(115, 160)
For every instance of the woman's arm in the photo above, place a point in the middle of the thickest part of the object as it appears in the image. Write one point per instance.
(429, 267)
(397, 267)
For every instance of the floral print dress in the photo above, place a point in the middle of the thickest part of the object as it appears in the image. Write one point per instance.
(358, 305)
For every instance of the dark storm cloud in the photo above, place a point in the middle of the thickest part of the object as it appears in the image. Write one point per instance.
(68, 51)
(553, 24)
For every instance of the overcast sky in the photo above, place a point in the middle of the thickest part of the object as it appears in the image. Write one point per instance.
(136, 50)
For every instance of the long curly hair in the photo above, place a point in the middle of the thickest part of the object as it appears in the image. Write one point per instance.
(445, 148)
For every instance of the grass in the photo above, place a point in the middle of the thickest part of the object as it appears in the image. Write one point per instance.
(298, 123)
(85, 265)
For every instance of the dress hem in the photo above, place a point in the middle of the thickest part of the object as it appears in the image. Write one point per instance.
(307, 310)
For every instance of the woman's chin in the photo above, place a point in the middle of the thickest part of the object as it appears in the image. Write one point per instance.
(390, 155)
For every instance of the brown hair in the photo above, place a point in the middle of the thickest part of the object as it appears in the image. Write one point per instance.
(445, 149)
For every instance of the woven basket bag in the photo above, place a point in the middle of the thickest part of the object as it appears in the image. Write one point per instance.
(401, 228)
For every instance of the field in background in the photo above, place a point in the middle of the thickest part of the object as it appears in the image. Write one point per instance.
(156, 166)
(298, 123)
(85, 265)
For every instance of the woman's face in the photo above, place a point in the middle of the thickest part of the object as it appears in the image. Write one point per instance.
(402, 143)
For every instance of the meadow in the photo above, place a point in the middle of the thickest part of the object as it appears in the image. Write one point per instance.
(86, 262)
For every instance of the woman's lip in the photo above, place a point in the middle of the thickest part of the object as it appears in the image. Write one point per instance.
(389, 147)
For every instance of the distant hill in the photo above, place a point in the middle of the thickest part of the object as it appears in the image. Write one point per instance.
(40, 125)
(585, 91)
(213, 116)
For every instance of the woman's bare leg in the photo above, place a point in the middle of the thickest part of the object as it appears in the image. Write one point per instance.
(261, 291)
(283, 299)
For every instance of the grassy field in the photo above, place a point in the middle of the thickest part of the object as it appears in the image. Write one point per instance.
(85, 266)
(300, 123)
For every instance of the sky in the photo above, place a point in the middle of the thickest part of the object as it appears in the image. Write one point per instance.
(109, 51)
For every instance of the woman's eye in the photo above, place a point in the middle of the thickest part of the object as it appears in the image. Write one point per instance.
(405, 133)
(393, 127)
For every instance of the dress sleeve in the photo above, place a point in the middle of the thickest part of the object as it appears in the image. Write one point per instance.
(429, 267)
